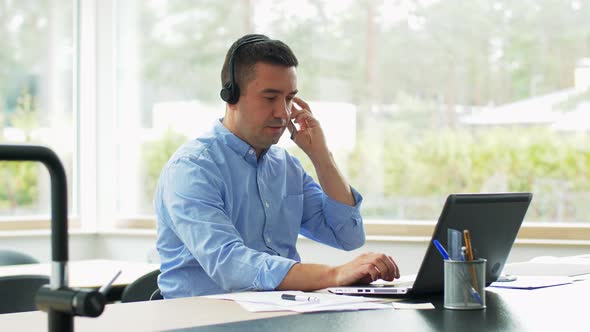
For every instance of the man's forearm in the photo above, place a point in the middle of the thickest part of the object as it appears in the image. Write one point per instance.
(364, 269)
(309, 277)
(331, 179)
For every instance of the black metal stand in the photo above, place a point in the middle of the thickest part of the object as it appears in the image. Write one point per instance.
(60, 302)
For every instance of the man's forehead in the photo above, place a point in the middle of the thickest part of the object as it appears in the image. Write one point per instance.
(269, 78)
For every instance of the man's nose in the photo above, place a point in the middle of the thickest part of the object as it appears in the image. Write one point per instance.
(283, 110)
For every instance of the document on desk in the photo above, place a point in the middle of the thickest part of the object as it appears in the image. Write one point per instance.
(533, 282)
(272, 301)
(550, 266)
(401, 305)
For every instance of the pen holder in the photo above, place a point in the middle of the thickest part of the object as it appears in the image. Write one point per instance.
(465, 284)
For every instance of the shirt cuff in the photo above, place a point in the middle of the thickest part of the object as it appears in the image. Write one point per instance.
(339, 213)
(272, 272)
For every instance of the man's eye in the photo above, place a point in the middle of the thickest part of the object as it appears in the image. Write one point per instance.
(271, 98)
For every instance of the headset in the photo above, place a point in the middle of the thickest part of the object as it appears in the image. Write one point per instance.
(230, 92)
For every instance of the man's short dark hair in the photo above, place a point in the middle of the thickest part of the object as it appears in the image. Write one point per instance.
(270, 51)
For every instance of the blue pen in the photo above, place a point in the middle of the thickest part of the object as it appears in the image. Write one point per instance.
(441, 249)
(474, 293)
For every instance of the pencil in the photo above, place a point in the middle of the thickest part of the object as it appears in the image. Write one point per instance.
(467, 238)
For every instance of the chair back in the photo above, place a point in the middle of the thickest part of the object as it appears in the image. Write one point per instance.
(17, 293)
(11, 257)
(142, 288)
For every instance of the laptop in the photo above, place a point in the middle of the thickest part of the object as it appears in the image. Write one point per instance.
(493, 221)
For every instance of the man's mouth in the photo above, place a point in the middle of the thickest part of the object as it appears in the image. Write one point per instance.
(277, 124)
(276, 130)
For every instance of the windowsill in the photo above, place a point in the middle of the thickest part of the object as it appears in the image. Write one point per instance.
(129, 231)
(33, 224)
(529, 233)
(40, 233)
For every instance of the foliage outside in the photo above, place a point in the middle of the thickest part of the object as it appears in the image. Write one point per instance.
(417, 173)
(19, 185)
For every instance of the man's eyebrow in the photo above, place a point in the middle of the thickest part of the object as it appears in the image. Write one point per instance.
(270, 90)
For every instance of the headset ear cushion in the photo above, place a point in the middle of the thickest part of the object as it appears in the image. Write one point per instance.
(230, 93)
(226, 92)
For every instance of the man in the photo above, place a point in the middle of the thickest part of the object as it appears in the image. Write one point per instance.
(230, 205)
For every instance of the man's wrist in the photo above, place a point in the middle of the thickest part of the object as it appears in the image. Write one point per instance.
(333, 276)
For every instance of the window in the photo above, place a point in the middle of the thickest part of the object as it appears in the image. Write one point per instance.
(37, 93)
(417, 99)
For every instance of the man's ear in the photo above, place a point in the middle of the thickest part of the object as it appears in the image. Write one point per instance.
(232, 107)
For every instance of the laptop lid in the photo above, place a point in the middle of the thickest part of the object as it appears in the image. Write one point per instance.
(493, 221)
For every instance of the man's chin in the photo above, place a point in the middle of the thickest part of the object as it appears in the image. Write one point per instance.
(272, 142)
(271, 139)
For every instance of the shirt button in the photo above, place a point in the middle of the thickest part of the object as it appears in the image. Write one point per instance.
(251, 151)
(267, 205)
(268, 240)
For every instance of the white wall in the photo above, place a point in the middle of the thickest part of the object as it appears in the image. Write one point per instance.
(135, 247)
(38, 245)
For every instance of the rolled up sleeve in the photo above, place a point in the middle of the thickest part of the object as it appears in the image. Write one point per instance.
(330, 222)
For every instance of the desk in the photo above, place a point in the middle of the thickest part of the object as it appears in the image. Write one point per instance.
(145, 316)
(89, 273)
(562, 308)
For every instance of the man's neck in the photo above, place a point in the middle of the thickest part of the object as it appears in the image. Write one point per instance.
(230, 125)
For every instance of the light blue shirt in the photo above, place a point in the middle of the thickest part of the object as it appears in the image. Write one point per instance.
(228, 222)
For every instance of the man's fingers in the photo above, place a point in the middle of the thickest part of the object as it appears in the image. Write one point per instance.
(367, 268)
(397, 273)
(374, 272)
(301, 104)
(391, 270)
(305, 120)
(392, 267)
(388, 269)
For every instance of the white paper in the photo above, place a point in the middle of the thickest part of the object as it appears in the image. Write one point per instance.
(401, 305)
(533, 282)
(550, 266)
(259, 307)
(271, 301)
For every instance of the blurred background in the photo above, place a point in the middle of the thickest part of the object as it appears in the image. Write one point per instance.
(418, 99)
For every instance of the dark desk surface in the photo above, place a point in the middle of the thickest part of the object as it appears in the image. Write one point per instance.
(562, 308)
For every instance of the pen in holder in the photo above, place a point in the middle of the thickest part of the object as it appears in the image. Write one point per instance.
(464, 287)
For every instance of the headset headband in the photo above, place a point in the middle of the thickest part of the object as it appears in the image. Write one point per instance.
(230, 92)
